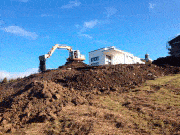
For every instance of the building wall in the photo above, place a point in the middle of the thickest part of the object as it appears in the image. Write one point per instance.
(126, 58)
(118, 59)
(99, 57)
(174, 50)
(96, 58)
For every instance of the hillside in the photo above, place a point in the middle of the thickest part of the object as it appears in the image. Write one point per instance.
(121, 99)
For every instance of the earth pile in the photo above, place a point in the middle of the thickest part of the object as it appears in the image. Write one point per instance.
(58, 97)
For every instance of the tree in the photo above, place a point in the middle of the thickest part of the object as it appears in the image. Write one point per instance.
(4, 80)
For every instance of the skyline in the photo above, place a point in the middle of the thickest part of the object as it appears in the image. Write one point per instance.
(29, 28)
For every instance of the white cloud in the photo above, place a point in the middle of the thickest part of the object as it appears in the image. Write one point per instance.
(110, 11)
(71, 4)
(90, 24)
(77, 26)
(15, 75)
(85, 35)
(45, 15)
(151, 5)
(20, 32)
(87, 25)
(4, 74)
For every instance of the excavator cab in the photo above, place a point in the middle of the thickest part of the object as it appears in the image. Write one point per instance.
(75, 54)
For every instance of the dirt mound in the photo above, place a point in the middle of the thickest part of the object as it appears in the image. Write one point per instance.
(37, 102)
(56, 96)
(73, 64)
(108, 78)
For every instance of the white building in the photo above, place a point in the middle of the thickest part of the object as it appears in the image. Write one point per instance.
(113, 56)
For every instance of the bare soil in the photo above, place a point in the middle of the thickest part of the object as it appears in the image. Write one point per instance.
(79, 99)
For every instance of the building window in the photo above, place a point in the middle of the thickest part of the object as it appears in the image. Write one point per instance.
(95, 59)
(95, 64)
(108, 57)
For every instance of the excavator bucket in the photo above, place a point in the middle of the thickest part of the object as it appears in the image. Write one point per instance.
(42, 66)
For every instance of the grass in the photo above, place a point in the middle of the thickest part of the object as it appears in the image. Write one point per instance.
(176, 82)
(165, 97)
(131, 117)
(164, 80)
(154, 99)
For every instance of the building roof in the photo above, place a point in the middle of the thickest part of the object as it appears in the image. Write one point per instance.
(105, 48)
(175, 40)
(112, 50)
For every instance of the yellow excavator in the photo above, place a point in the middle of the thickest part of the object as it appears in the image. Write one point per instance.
(74, 55)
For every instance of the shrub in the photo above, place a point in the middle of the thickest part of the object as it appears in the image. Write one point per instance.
(4, 80)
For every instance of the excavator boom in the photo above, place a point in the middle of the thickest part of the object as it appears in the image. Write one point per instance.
(59, 46)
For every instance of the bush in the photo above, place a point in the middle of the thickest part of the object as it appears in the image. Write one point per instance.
(4, 80)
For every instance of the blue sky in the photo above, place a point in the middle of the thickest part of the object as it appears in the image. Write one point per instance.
(29, 28)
